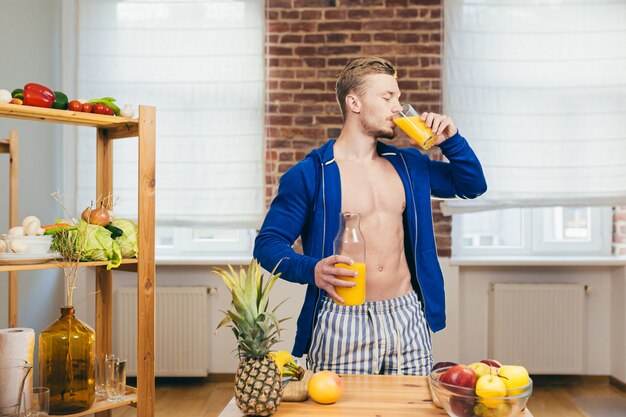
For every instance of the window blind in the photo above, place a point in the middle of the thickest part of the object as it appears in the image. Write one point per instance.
(539, 90)
(201, 64)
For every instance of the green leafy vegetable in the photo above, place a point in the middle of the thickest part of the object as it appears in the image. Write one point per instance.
(128, 240)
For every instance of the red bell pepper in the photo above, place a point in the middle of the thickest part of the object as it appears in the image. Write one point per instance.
(38, 95)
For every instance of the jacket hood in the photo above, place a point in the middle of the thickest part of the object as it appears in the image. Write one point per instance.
(324, 153)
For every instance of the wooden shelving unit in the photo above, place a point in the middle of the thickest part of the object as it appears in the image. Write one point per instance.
(109, 128)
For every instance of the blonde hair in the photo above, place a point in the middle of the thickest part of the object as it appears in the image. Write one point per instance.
(351, 78)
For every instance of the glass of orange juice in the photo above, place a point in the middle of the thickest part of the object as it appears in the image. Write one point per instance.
(409, 121)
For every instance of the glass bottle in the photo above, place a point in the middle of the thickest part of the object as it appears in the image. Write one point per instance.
(350, 242)
(67, 365)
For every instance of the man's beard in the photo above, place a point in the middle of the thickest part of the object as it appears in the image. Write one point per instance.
(377, 132)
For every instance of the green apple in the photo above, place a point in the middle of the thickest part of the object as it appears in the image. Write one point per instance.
(502, 410)
(481, 368)
(514, 376)
(489, 389)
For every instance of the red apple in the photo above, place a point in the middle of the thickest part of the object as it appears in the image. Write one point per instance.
(460, 376)
(492, 362)
(442, 365)
(462, 407)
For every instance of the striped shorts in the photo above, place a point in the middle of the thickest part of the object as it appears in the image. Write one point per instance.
(377, 337)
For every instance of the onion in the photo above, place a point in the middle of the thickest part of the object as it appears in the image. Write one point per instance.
(86, 213)
(99, 216)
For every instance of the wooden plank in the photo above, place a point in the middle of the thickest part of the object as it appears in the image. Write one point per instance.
(4, 146)
(102, 406)
(128, 267)
(125, 131)
(14, 162)
(104, 317)
(146, 272)
(13, 299)
(63, 116)
(58, 264)
(104, 278)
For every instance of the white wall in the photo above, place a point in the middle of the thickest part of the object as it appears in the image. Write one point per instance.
(222, 357)
(30, 51)
(465, 339)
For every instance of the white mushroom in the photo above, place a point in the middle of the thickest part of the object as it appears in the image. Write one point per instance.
(29, 219)
(18, 246)
(33, 228)
(3, 246)
(16, 231)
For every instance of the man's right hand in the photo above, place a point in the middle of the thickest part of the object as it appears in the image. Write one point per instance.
(326, 275)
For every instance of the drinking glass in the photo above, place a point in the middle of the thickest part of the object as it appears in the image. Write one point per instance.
(410, 122)
(101, 391)
(39, 404)
(115, 376)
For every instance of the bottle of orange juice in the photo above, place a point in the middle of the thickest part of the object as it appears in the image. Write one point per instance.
(350, 242)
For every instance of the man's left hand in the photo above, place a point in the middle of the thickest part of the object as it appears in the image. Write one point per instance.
(441, 125)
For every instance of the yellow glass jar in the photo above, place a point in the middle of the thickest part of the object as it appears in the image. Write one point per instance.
(67, 364)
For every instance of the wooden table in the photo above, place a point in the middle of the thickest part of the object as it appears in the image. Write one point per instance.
(367, 395)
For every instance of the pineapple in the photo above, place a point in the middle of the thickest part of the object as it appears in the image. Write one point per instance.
(258, 385)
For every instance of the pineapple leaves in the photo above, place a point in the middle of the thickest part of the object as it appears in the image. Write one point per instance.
(255, 328)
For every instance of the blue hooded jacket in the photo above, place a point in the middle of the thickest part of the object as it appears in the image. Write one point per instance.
(308, 204)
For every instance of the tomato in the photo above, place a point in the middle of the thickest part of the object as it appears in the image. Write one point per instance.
(87, 107)
(103, 109)
(75, 105)
(99, 108)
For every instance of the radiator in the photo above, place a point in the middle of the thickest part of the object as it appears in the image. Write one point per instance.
(181, 330)
(539, 326)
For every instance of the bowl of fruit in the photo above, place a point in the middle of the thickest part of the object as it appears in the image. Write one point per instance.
(481, 389)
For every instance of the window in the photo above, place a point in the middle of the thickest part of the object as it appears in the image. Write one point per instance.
(533, 231)
(200, 63)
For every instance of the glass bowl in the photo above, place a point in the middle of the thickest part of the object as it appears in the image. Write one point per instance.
(32, 244)
(463, 402)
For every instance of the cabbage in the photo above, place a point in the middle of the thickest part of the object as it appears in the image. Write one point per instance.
(95, 243)
(128, 241)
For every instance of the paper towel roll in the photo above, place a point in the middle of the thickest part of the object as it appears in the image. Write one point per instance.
(15, 343)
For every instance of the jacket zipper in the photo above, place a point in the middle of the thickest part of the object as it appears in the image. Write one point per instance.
(317, 296)
(415, 222)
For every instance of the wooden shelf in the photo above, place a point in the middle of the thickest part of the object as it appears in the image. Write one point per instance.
(107, 128)
(130, 398)
(15, 111)
(55, 264)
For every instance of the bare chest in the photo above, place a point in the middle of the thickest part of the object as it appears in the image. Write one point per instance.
(371, 188)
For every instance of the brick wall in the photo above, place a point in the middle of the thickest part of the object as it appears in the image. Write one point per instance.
(619, 231)
(309, 41)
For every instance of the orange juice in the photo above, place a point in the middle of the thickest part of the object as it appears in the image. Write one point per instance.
(353, 296)
(417, 130)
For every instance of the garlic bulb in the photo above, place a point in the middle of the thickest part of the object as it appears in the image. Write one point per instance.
(16, 231)
(5, 96)
(18, 246)
(3, 246)
(127, 110)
